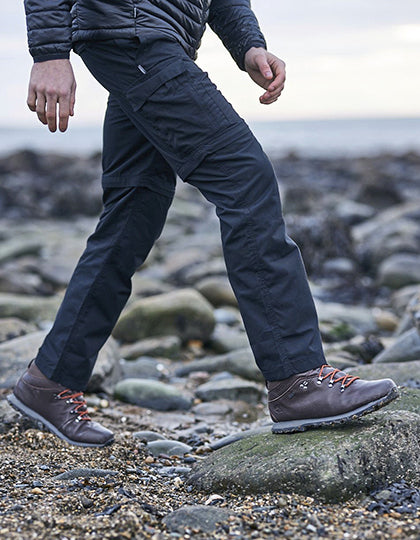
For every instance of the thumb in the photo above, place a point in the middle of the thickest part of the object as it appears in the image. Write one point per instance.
(264, 67)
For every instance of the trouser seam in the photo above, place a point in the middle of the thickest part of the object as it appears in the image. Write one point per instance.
(97, 281)
(264, 290)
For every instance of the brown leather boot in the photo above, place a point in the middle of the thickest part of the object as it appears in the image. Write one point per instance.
(324, 396)
(60, 410)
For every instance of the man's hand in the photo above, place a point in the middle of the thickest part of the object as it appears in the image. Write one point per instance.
(267, 71)
(52, 83)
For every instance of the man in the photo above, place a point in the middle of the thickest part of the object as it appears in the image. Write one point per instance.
(165, 118)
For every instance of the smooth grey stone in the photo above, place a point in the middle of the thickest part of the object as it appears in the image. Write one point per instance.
(225, 339)
(174, 471)
(85, 473)
(400, 270)
(151, 395)
(211, 409)
(358, 318)
(234, 388)
(184, 313)
(229, 439)
(352, 212)
(29, 308)
(163, 346)
(11, 327)
(168, 447)
(331, 465)
(228, 315)
(215, 267)
(201, 517)
(340, 266)
(240, 362)
(217, 290)
(148, 436)
(142, 368)
(14, 248)
(405, 348)
(16, 354)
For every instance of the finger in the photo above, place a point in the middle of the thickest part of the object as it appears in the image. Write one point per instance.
(63, 112)
(31, 99)
(278, 81)
(40, 108)
(264, 66)
(51, 114)
(272, 95)
(72, 99)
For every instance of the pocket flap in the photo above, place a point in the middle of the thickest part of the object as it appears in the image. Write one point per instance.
(148, 84)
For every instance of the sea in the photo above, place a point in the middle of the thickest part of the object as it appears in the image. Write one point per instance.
(314, 138)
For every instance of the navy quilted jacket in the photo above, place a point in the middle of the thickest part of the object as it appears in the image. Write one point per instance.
(53, 25)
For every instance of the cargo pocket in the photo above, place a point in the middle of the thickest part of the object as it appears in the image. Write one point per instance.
(180, 108)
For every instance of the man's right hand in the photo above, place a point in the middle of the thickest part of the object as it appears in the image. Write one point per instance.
(52, 83)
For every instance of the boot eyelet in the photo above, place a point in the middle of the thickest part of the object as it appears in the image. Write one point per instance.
(77, 419)
(342, 388)
(330, 385)
(319, 381)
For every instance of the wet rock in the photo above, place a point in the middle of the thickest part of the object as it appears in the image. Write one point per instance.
(405, 348)
(163, 346)
(398, 497)
(28, 308)
(184, 313)
(86, 473)
(11, 328)
(143, 368)
(151, 394)
(168, 447)
(233, 388)
(148, 436)
(200, 517)
(218, 291)
(240, 362)
(402, 297)
(327, 464)
(400, 270)
(225, 339)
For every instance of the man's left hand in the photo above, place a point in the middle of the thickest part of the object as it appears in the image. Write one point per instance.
(267, 71)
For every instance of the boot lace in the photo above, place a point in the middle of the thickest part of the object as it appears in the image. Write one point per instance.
(78, 399)
(345, 379)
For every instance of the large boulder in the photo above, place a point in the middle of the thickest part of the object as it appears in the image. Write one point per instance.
(328, 464)
(184, 313)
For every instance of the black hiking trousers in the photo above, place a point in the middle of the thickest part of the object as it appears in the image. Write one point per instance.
(166, 118)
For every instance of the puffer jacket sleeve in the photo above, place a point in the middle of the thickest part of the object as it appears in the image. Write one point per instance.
(236, 25)
(48, 24)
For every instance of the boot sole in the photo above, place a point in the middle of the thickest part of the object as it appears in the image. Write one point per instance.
(43, 423)
(294, 426)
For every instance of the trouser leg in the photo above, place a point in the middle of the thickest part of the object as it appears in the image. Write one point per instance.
(131, 221)
(173, 103)
(264, 265)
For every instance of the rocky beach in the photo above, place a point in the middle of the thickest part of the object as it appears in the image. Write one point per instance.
(194, 455)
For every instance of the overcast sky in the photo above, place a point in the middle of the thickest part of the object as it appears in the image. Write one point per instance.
(345, 58)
